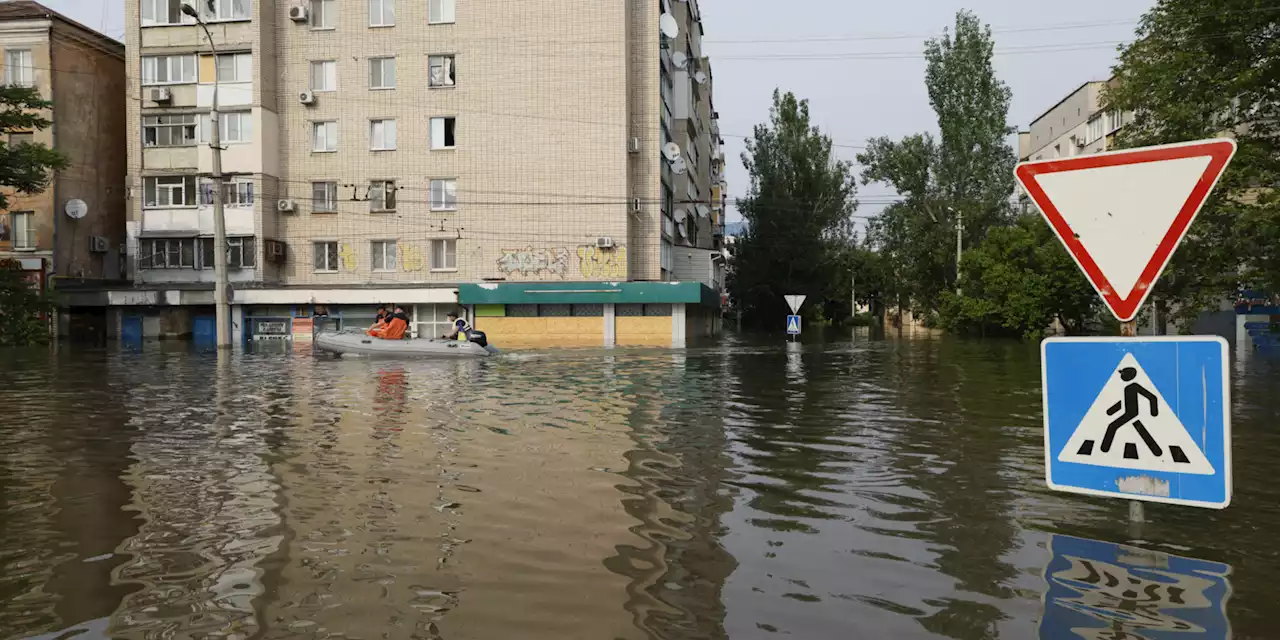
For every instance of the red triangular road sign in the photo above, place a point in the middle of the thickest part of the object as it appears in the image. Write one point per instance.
(1121, 214)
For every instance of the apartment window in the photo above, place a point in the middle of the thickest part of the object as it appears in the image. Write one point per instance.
(444, 255)
(324, 136)
(1095, 129)
(169, 191)
(384, 255)
(444, 195)
(24, 229)
(382, 195)
(233, 127)
(1115, 120)
(326, 257)
(441, 71)
(19, 138)
(241, 253)
(173, 253)
(227, 10)
(324, 197)
(382, 135)
(231, 67)
(440, 11)
(382, 13)
(382, 73)
(168, 69)
(235, 193)
(17, 68)
(442, 133)
(322, 14)
(164, 12)
(324, 75)
(175, 130)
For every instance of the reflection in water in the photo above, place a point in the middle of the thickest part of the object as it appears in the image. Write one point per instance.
(877, 489)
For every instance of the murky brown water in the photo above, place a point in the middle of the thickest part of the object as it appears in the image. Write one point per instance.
(844, 490)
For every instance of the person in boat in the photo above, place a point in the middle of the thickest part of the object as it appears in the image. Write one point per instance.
(463, 332)
(395, 326)
(380, 320)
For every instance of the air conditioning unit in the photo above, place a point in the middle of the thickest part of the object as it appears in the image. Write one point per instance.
(298, 13)
(635, 145)
(161, 95)
(97, 244)
(276, 251)
(635, 205)
(604, 242)
(285, 206)
(307, 97)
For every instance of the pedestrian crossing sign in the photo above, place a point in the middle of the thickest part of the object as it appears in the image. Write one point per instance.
(793, 325)
(1138, 418)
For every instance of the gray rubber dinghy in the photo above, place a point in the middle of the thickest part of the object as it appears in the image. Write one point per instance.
(356, 342)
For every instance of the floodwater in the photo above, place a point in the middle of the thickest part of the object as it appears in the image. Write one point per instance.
(839, 489)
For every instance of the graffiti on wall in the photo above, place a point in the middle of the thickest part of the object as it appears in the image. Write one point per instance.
(347, 257)
(553, 261)
(412, 258)
(606, 264)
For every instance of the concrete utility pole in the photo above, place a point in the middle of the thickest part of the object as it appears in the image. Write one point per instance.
(959, 245)
(222, 307)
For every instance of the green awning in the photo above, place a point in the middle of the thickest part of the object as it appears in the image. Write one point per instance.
(587, 293)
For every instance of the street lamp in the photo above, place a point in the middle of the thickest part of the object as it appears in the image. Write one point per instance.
(221, 288)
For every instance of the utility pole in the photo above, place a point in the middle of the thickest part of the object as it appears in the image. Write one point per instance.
(222, 306)
(959, 245)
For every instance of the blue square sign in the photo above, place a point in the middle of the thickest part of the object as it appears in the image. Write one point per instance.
(793, 325)
(1138, 418)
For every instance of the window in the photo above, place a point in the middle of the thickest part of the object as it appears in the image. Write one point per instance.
(382, 135)
(162, 12)
(168, 69)
(326, 257)
(440, 71)
(324, 197)
(324, 75)
(24, 229)
(444, 255)
(324, 136)
(233, 126)
(169, 191)
(442, 133)
(235, 192)
(19, 138)
(444, 195)
(17, 68)
(382, 195)
(384, 255)
(322, 14)
(176, 130)
(440, 11)
(1115, 120)
(241, 253)
(173, 253)
(1095, 129)
(230, 67)
(382, 13)
(226, 10)
(382, 73)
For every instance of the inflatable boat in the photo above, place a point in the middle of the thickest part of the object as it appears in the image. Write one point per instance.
(356, 342)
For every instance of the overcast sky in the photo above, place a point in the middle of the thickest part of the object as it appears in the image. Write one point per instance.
(860, 62)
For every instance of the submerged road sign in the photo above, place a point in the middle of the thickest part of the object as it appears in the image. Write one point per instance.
(794, 302)
(1121, 214)
(1138, 418)
(793, 325)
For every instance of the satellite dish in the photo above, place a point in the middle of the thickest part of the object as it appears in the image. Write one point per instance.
(678, 166)
(700, 77)
(671, 151)
(679, 215)
(704, 211)
(76, 208)
(679, 59)
(668, 25)
(680, 230)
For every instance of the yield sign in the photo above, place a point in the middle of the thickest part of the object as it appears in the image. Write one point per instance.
(794, 302)
(1121, 214)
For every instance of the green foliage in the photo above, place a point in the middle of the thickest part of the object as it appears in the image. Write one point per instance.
(798, 212)
(1016, 284)
(1199, 71)
(25, 168)
(21, 307)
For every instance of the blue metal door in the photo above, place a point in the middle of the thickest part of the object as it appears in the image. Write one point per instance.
(204, 330)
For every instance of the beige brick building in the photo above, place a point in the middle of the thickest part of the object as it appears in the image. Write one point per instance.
(389, 151)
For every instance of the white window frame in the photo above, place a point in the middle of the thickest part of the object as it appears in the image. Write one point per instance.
(243, 130)
(442, 194)
(1095, 127)
(328, 74)
(24, 237)
(382, 196)
(21, 72)
(330, 202)
(224, 11)
(330, 136)
(378, 251)
(381, 74)
(171, 125)
(445, 67)
(444, 254)
(442, 11)
(241, 68)
(321, 248)
(185, 64)
(169, 184)
(382, 134)
(236, 192)
(440, 133)
(323, 19)
(173, 11)
(382, 13)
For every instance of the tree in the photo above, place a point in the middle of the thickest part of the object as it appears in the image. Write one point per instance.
(27, 167)
(966, 171)
(21, 308)
(1197, 71)
(798, 211)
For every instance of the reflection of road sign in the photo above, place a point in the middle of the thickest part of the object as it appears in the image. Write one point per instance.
(1102, 590)
(793, 325)
(1139, 418)
(1121, 214)
(794, 302)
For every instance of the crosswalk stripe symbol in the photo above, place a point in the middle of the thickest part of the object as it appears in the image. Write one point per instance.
(1131, 426)
(793, 324)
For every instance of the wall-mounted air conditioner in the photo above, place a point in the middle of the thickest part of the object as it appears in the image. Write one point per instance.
(285, 206)
(307, 97)
(298, 13)
(604, 242)
(161, 95)
(97, 244)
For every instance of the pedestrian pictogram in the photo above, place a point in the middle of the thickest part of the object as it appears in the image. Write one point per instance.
(793, 325)
(1146, 419)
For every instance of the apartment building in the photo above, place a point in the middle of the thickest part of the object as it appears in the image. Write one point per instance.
(389, 151)
(1076, 125)
(75, 227)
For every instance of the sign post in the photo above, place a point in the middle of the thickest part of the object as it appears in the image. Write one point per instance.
(1143, 419)
(793, 320)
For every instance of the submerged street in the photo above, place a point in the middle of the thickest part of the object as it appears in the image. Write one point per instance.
(750, 489)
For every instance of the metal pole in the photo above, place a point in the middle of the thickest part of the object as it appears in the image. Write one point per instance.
(959, 243)
(1136, 516)
(222, 306)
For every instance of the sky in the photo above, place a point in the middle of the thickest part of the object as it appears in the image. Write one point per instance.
(860, 63)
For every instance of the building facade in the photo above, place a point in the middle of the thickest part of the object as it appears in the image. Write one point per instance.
(74, 228)
(391, 151)
(1076, 126)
